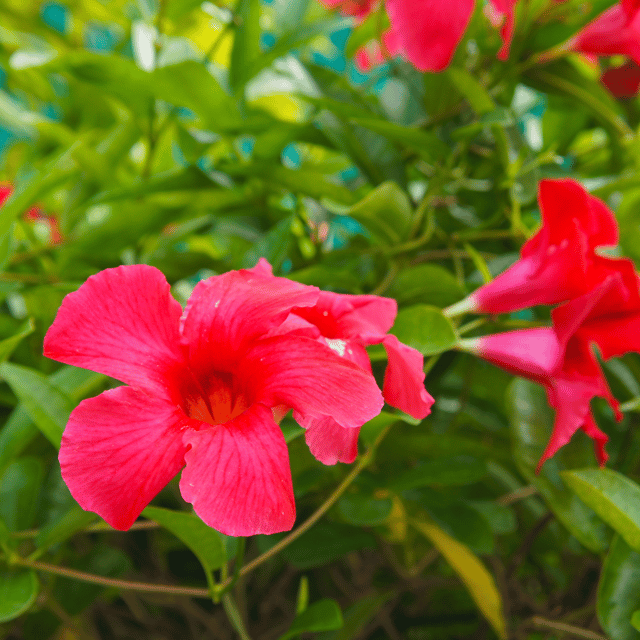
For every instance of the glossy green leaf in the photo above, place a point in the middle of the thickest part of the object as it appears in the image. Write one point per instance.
(205, 542)
(428, 284)
(20, 486)
(47, 406)
(18, 591)
(424, 328)
(324, 615)
(531, 420)
(364, 510)
(472, 572)
(619, 591)
(9, 344)
(613, 496)
(326, 542)
(386, 212)
(356, 617)
(246, 45)
(426, 143)
(635, 620)
(457, 471)
(72, 521)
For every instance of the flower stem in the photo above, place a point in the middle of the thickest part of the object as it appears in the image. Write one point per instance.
(234, 616)
(312, 519)
(74, 574)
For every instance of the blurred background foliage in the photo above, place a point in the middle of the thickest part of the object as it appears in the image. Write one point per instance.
(199, 136)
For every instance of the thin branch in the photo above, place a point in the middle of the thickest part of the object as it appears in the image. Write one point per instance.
(149, 587)
(578, 632)
(518, 494)
(312, 519)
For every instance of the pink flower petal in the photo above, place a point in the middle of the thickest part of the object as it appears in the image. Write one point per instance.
(403, 385)
(429, 30)
(309, 377)
(225, 313)
(534, 353)
(329, 442)
(570, 398)
(119, 450)
(614, 32)
(237, 475)
(122, 322)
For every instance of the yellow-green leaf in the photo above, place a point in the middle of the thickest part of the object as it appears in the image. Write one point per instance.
(472, 572)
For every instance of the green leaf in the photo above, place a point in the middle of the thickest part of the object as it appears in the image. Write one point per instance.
(47, 406)
(63, 528)
(426, 143)
(472, 572)
(18, 591)
(356, 617)
(364, 510)
(531, 420)
(18, 431)
(246, 45)
(477, 96)
(635, 620)
(427, 283)
(424, 328)
(565, 78)
(614, 497)
(324, 543)
(457, 471)
(618, 591)
(9, 344)
(205, 542)
(386, 212)
(324, 615)
(20, 486)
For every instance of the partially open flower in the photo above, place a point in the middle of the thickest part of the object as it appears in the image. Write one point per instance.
(560, 261)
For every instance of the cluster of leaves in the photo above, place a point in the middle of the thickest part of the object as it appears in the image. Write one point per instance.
(198, 137)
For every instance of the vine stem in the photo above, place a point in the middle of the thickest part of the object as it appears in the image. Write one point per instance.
(193, 592)
(312, 519)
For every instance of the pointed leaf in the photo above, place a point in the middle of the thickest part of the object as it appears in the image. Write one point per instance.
(424, 328)
(618, 591)
(324, 615)
(206, 543)
(472, 572)
(18, 591)
(614, 497)
(47, 406)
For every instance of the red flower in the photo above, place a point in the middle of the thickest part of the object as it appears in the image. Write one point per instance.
(624, 81)
(35, 214)
(559, 262)
(204, 386)
(357, 8)
(346, 324)
(614, 32)
(562, 359)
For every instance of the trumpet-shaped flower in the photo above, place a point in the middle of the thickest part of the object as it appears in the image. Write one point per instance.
(562, 359)
(614, 32)
(204, 387)
(347, 324)
(559, 262)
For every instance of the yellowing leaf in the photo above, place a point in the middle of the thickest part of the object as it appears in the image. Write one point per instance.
(472, 572)
(397, 521)
(204, 31)
(284, 107)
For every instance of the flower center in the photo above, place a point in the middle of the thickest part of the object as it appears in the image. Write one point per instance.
(217, 401)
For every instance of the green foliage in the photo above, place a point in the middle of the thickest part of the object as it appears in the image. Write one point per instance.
(199, 137)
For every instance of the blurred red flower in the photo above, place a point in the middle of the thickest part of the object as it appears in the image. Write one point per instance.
(205, 389)
(614, 32)
(624, 81)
